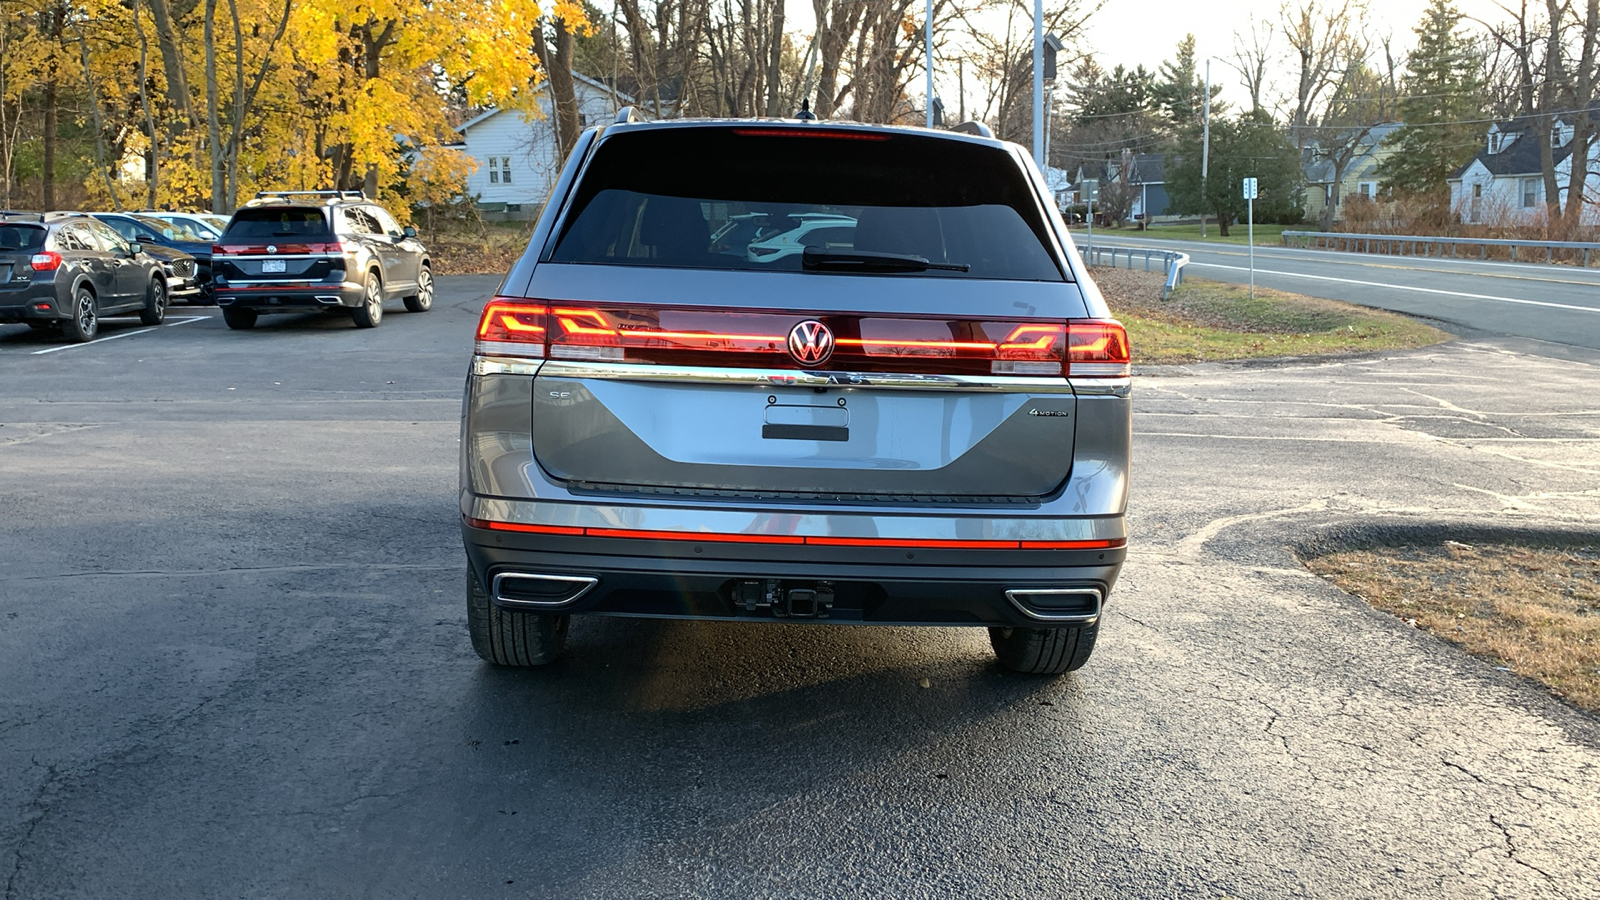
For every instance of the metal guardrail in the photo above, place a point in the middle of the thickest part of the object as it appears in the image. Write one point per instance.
(1171, 261)
(1422, 245)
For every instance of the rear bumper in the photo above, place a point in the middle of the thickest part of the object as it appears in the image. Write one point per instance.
(21, 304)
(289, 297)
(865, 585)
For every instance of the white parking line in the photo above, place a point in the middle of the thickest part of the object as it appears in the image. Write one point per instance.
(122, 335)
(1402, 287)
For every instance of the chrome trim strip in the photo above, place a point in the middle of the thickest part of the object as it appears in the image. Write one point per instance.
(587, 581)
(1102, 387)
(1016, 595)
(768, 378)
(502, 365)
(811, 519)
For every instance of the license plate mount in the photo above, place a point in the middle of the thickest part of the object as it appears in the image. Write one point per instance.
(273, 265)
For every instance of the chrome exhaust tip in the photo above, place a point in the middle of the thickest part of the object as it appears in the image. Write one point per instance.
(1059, 606)
(528, 590)
(331, 301)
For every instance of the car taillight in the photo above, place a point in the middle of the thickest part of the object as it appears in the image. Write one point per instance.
(1097, 348)
(760, 339)
(47, 261)
(512, 328)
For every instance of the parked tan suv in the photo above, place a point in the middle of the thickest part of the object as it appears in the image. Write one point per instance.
(296, 251)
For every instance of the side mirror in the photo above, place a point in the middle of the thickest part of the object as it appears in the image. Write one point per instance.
(408, 231)
(135, 248)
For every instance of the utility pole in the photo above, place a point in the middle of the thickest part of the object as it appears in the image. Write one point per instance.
(927, 49)
(961, 88)
(1205, 153)
(1038, 83)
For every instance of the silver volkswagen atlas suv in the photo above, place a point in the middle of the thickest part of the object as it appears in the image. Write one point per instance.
(923, 421)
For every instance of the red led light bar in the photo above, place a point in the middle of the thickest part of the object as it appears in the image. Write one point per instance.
(808, 540)
(811, 133)
(759, 338)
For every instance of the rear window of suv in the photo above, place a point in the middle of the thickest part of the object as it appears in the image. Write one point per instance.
(20, 237)
(658, 197)
(262, 223)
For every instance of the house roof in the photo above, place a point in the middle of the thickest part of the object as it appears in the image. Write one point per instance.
(1149, 168)
(1321, 171)
(578, 76)
(1520, 158)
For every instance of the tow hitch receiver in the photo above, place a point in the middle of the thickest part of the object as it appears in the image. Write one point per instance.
(785, 599)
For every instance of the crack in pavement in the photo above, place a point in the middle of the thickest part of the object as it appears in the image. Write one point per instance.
(39, 810)
(1511, 850)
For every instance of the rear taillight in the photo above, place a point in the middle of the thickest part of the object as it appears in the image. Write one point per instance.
(512, 328)
(260, 249)
(723, 338)
(1097, 348)
(47, 261)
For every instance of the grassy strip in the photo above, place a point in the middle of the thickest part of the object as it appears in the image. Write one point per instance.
(1532, 610)
(1209, 320)
(1237, 234)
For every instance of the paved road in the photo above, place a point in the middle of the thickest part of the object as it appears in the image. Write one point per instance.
(1548, 303)
(233, 659)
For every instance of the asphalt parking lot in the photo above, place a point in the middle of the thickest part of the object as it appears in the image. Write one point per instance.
(235, 661)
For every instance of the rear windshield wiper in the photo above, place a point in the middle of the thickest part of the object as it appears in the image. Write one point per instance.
(868, 261)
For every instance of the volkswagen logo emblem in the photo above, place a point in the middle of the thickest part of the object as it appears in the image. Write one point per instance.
(810, 343)
(272, 248)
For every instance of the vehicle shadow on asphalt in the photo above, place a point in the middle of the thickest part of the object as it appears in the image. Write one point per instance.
(763, 686)
(21, 336)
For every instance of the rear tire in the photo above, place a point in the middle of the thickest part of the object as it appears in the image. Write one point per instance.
(370, 312)
(239, 319)
(508, 637)
(423, 301)
(155, 304)
(85, 321)
(1044, 651)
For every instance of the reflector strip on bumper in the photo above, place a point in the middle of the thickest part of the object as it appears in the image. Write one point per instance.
(812, 541)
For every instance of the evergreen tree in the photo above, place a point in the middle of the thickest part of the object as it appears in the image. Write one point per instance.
(1180, 93)
(1444, 85)
(1250, 146)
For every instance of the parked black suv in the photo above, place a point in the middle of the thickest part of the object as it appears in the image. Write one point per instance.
(295, 251)
(66, 271)
(187, 254)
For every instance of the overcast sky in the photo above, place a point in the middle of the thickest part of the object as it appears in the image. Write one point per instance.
(1134, 32)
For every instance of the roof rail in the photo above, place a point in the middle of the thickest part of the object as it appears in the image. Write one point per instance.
(628, 114)
(18, 214)
(331, 194)
(974, 127)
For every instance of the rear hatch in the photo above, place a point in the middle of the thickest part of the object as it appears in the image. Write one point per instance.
(918, 357)
(286, 243)
(19, 241)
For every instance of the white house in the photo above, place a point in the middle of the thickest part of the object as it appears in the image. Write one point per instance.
(1504, 183)
(517, 157)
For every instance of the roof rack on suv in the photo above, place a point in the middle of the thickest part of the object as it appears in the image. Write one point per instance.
(974, 127)
(17, 214)
(330, 194)
(628, 114)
